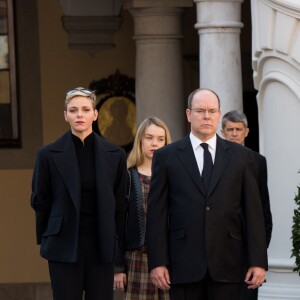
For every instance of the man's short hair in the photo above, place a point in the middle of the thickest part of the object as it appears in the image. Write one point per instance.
(234, 116)
(192, 94)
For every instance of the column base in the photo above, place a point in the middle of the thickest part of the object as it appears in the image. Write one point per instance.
(282, 284)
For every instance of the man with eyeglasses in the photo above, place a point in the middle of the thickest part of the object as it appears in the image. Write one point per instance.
(235, 129)
(205, 219)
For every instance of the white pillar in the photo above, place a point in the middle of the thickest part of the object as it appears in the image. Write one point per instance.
(219, 25)
(159, 82)
(276, 63)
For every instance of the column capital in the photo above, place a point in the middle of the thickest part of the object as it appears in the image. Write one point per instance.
(129, 4)
(218, 15)
(91, 28)
(91, 33)
(157, 23)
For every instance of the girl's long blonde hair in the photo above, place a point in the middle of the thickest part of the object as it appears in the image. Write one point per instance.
(136, 157)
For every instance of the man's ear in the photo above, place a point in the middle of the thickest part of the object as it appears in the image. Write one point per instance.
(247, 132)
(188, 113)
(222, 131)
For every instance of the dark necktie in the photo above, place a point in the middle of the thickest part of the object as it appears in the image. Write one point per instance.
(207, 166)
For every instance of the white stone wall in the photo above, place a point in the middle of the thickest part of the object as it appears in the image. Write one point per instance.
(276, 65)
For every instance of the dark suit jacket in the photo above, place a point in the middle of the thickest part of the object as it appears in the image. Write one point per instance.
(262, 180)
(56, 191)
(191, 232)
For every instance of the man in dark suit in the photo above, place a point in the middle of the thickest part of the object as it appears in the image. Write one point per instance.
(201, 235)
(235, 129)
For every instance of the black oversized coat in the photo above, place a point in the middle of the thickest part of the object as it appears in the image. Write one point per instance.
(56, 192)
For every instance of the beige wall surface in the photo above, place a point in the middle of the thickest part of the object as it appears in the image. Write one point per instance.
(19, 255)
(61, 70)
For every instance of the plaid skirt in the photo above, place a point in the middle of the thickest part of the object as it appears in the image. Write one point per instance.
(139, 285)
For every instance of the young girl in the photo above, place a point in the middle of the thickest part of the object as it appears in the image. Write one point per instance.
(133, 278)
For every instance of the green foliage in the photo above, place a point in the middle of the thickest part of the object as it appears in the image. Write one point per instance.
(296, 233)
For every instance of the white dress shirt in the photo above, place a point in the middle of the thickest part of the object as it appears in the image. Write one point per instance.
(199, 151)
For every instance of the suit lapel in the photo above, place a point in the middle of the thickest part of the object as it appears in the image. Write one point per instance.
(222, 157)
(187, 157)
(65, 159)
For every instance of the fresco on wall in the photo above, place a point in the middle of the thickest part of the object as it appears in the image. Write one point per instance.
(116, 106)
(3, 52)
(116, 120)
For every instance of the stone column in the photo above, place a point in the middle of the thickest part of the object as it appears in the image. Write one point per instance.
(159, 82)
(219, 25)
(276, 64)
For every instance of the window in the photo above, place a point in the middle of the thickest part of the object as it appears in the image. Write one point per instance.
(9, 133)
(24, 89)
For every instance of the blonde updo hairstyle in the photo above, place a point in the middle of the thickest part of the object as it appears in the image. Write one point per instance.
(80, 91)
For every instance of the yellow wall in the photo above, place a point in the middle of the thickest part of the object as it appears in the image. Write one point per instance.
(19, 258)
(61, 69)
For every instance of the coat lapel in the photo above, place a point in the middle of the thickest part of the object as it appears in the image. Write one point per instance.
(64, 156)
(187, 157)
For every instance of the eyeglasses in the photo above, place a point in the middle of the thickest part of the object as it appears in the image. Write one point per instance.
(200, 111)
(82, 90)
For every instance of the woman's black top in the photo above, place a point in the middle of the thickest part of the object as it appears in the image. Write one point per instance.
(88, 207)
